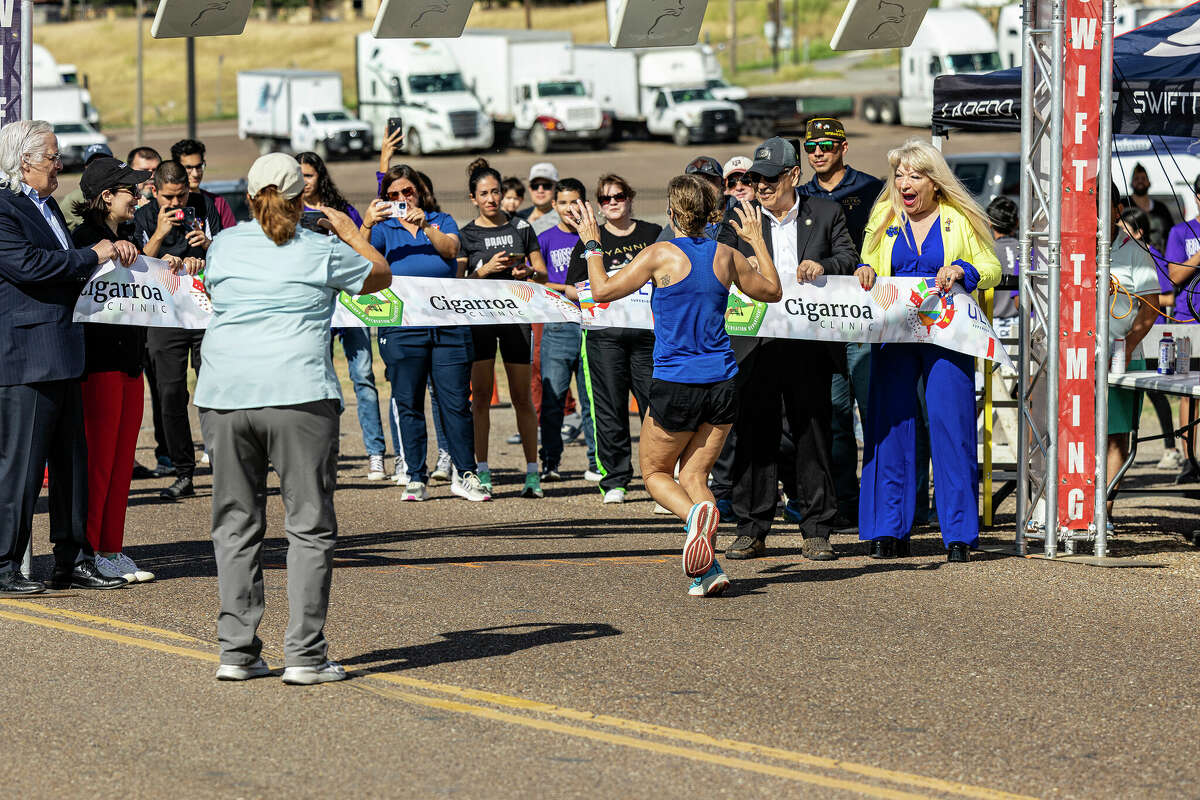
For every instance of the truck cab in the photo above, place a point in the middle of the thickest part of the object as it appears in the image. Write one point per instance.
(690, 114)
(420, 82)
(546, 112)
(949, 42)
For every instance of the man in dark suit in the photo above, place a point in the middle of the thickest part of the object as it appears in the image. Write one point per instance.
(41, 360)
(807, 236)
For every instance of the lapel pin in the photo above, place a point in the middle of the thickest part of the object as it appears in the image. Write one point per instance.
(808, 221)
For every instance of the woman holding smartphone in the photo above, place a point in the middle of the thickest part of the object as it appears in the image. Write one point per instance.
(498, 247)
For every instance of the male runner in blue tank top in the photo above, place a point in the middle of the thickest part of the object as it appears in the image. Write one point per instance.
(693, 402)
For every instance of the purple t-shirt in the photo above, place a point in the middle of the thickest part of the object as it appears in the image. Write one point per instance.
(1182, 243)
(556, 246)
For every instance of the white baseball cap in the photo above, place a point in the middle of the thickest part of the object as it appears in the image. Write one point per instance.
(543, 170)
(736, 164)
(275, 169)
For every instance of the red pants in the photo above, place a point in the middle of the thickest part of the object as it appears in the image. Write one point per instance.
(112, 416)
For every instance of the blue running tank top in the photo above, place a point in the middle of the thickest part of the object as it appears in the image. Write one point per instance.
(690, 343)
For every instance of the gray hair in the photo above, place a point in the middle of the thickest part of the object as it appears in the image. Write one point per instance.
(21, 143)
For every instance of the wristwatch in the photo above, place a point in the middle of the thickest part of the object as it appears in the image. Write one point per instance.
(591, 244)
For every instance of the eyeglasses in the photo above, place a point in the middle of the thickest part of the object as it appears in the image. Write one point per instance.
(605, 199)
(827, 146)
(754, 179)
(406, 192)
(733, 180)
(541, 186)
(195, 167)
(55, 157)
(133, 192)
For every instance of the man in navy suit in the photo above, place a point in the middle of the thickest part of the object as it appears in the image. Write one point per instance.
(41, 360)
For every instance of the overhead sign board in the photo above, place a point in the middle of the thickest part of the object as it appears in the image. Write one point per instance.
(182, 18)
(879, 24)
(421, 19)
(656, 23)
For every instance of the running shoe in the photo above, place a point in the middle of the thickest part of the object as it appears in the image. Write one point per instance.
(243, 672)
(551, 474)
(514, 439)
(1172, 460)
(318, 673)
(109, 568)
(445, 466)
(660, 509)
(206, 458)
(699, 546)
(711, 584)
(468, 487)
(133, 573)
(414, 492)
(375, 468)
(485, 480)
(399, 471)
(592, 476)
(614, 496)
(533, 486)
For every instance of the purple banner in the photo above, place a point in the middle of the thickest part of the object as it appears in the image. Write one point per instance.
(10, 61)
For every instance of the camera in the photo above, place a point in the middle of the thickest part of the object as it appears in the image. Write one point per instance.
(316, 221)
(399, 209)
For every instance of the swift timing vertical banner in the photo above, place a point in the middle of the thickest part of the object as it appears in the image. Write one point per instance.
(10, 61)
(1077, 343)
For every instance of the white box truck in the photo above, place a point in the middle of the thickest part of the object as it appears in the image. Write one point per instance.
(687, 65)
(49, 73)
(950, 41)
(299, 110)
(525, 83)
(642, 100)
(419, 81)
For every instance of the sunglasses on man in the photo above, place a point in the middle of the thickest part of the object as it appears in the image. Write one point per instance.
(754, 179)
(733, 180)
(826, 145)
(541, 186)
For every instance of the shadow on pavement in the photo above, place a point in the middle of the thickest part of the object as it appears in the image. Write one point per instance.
(501, 640)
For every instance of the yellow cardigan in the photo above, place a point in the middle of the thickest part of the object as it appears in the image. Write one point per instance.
(959, 241)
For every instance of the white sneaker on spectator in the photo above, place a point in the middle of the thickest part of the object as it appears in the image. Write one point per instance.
(414, 492)
(468, 487)
(109, 568)
(614, 496)
(321, 673)
(133, 573)
(591, 476)
(243, 672)
(205, 459)
(444, 466)
(399, 471)
(1172, 460)
(375, 468)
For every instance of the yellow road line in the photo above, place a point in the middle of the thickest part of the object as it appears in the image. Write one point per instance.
(41, 608)
(645, 728)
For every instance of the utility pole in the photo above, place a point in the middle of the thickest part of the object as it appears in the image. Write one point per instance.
(138, 100)
(191, 87)
(776, 14)
(795, 31)
(529, 14)
(733, 34)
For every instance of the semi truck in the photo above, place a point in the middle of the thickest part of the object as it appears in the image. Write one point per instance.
(953, 41)
(419, 82)
(525, 82)
(48, 73)
(299, 110)
(632, 86)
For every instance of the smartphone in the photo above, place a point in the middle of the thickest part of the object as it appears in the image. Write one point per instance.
(188, 217)
(394, 124)
(315, 221)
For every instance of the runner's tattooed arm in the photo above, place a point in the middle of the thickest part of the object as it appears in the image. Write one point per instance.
(630, 278)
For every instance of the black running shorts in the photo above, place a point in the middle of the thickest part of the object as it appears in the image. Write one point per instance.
(679, 407)
(515, 342)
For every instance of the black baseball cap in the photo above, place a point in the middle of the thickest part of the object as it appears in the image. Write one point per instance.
(106, 172)
(773, 156)
(704, 165)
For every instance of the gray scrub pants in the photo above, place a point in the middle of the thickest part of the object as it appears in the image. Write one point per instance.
(302, 442)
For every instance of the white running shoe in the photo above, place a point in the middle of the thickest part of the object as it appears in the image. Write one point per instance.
(414, 492)
(1172, 460)
(133, 573)
(375, 468)
(243, 672)
(399, 471)
(468, 487)
(711, 584)
(591, 476)
(699, 548)
(614, 496)
(444, 467)
(109, 568)
(321, 673)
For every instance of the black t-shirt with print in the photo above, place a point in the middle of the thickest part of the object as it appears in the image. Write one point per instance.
(478, 244)
(618, 250)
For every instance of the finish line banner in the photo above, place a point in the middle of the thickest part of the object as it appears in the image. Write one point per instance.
(834, 308)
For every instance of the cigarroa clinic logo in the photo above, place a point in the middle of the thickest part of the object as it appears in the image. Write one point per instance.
(382, 308)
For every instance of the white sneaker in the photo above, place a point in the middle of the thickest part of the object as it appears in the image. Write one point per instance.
(444, 467)
(468, 487)
(414, 492)
(205, 459)
(1172, 460)
(614, 496)
(321, 673)
(591, 476)
(711, 584)
(375, 468)
(132, 573)
(659, 508)
(243, 672)
(109, 568)
(399, 471)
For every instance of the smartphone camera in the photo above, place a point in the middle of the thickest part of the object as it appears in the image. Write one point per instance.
(188, 216)
(316, 221)
(394, 124)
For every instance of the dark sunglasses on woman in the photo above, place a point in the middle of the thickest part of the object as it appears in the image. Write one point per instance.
(605, 199)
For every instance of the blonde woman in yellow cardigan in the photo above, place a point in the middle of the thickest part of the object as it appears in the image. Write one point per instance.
(924, 224)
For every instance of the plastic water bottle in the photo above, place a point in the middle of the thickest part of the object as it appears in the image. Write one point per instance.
(1117, 367)
(1166, 354)
(1183, 355)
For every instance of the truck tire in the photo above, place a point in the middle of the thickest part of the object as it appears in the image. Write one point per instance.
(889, 112)
(681, 137)
(412, 143)
(599, 144)
(539, 139)
(870, 110)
